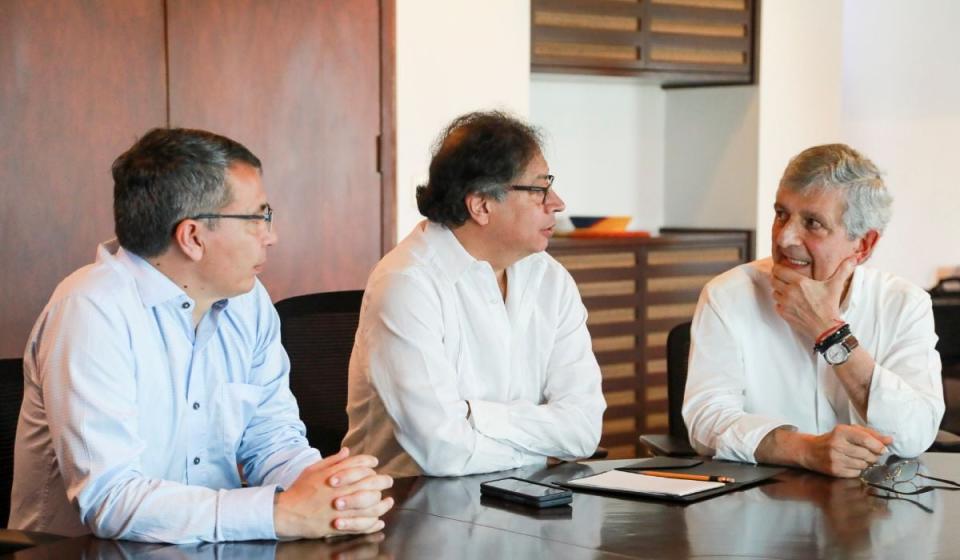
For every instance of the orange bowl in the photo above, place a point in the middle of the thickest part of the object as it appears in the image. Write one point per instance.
(600, 223)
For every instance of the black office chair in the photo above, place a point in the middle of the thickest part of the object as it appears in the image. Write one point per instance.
(676, 442)
(318, 331)
(678, 359)
(11, 395)
(946, 318)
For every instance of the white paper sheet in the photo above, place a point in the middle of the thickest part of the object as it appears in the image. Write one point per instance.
(641, 483)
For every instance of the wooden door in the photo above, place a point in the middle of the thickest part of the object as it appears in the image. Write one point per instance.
(306, 84)
(79, 82)
(298, 82)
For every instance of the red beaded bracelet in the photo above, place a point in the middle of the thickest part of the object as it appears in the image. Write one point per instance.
(837, 326)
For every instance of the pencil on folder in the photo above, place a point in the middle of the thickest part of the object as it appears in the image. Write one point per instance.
(682, 476)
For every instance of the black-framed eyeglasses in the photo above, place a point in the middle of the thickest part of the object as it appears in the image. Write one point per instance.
(267, 217)
(898, 476)
(531, 188)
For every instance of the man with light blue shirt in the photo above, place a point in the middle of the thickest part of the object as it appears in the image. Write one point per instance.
(154, 372)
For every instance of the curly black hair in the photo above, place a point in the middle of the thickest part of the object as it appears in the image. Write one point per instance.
(479, 152)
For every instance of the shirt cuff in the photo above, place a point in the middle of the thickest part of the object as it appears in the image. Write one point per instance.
(287, 466)
(490, 418)
(246, 514)
(909, 415)
(740, 441)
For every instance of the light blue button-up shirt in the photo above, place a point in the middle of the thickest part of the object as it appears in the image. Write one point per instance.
(133, 422)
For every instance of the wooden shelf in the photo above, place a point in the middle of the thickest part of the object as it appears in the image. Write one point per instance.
(672, 42)
(635, 291)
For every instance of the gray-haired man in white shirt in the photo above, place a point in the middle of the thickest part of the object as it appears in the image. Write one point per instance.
(472, 354)
(807, 358)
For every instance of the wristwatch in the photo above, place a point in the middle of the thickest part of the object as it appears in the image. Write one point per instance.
(840, 352)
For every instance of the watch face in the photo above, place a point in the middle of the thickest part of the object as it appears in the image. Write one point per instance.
(836, 354)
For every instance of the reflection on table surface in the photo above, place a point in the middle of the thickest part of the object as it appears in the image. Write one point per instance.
(796, 515)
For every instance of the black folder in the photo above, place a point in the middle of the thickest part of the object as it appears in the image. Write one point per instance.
(745, 474)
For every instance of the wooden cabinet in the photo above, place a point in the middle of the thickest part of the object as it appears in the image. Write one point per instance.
(79, 81)
(635, 291)
(298, 82)
(306, 85)
(673, 42)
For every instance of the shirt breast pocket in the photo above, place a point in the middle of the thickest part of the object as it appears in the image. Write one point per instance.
(238, 403)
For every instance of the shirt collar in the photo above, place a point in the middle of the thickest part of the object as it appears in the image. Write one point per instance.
(454, 259)
(154, 286)
(854, 293)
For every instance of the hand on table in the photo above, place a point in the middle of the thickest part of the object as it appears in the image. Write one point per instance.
(810, 306)
(338, 495)
(844, 451)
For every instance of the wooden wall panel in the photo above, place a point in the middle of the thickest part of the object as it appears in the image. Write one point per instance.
(671, 42)
(297, 81)
(388, 123)
(79, 82)
(635, 290)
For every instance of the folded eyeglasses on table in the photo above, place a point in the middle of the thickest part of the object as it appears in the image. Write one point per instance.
(900, 477)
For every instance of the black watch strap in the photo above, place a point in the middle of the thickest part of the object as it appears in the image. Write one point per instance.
(840, 334)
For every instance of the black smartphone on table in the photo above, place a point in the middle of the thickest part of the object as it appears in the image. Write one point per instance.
(526, 492)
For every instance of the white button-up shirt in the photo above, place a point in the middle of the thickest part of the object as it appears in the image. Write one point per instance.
(751, 373)
(435, 332)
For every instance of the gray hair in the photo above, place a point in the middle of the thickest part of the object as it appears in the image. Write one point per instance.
(840, 167)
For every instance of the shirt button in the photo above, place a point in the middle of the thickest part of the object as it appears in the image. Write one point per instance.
(185, 305)
(196, 406)
(196, 460)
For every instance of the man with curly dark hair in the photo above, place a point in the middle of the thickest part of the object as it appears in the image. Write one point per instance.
(472, 353)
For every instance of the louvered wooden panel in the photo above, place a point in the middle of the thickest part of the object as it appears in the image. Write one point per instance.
(635, 290)
(671, 41)
(574, 35)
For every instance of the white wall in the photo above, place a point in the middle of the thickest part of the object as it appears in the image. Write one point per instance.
(711, 157)
(799, 92)
(881, 75)
(901, 107)
(604, 142)
(453, 56)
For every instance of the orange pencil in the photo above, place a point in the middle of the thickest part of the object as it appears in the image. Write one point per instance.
(682, 476)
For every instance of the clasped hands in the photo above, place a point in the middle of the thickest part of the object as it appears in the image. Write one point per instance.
(338, 495)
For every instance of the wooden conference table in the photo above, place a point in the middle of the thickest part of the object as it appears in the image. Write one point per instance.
(797, 515)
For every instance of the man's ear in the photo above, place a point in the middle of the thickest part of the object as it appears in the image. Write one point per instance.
(188, 238)
(478, 207)
(866, 244)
